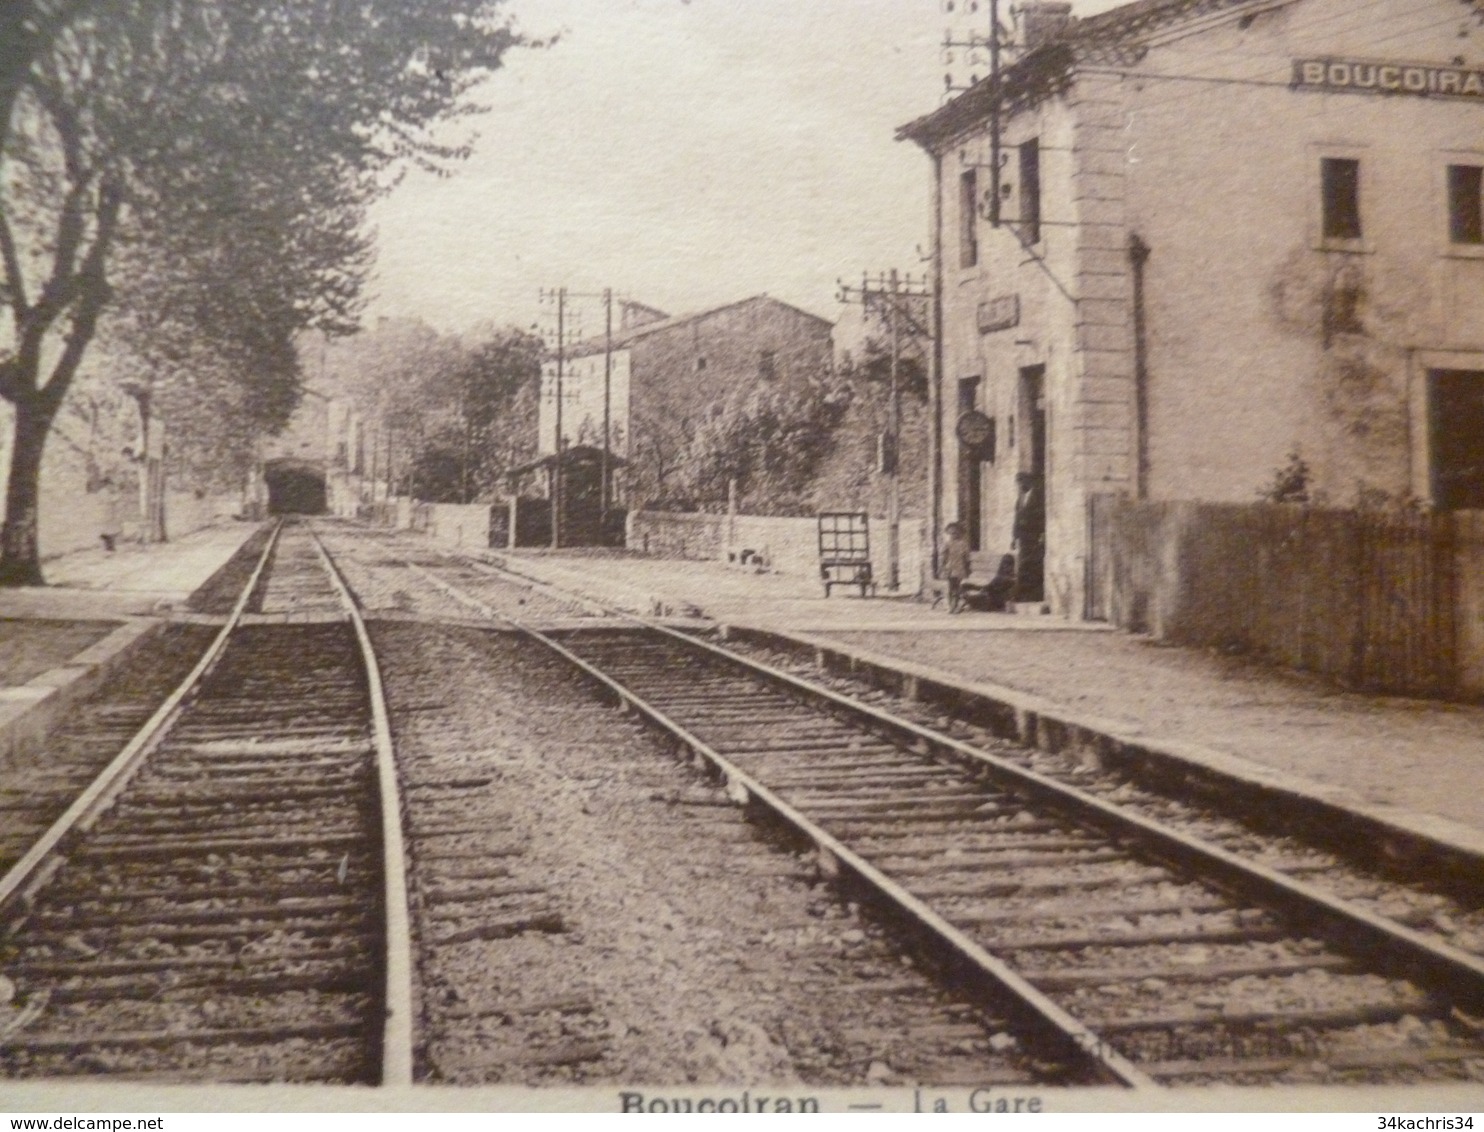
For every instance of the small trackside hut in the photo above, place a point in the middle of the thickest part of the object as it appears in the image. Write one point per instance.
(584, 519)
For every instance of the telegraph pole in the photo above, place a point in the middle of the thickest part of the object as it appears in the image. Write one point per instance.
(562, 296)
(391, 482)
(894, 289)
(605, 486)
(995, 43)
(556, 467)
(994, 113)
(559, 296)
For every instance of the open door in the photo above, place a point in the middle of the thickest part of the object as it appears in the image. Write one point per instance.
(1456, 409)
(1030, 489)
(970, 471)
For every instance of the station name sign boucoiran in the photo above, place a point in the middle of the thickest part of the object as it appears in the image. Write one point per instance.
(1365, 76)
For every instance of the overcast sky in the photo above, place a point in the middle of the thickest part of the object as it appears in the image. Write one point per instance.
(683, 152)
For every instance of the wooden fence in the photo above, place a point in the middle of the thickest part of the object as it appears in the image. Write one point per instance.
(1387, 602)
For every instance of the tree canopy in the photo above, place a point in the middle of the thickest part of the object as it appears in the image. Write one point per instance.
(464, 406)
(201, 170)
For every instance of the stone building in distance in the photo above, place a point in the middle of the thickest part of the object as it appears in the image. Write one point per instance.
(664, 374)
(1183, 241)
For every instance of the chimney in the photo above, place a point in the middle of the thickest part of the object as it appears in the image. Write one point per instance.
(632, 314)
(1042, 21)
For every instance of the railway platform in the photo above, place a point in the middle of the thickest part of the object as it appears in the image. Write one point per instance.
(61, 641)
(1410, 764)
(136, 580)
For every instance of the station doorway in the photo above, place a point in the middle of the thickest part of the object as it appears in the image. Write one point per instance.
(295, 488)
(970, 471)
(1030, 488)
(1456, 408)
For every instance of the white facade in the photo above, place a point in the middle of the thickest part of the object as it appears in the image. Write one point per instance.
(1173, 302)
(583, 384)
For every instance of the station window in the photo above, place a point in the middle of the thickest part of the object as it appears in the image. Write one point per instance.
(767, 365)
(1030, 191)
(1466, 204)
(1340, 192)
(968, 202)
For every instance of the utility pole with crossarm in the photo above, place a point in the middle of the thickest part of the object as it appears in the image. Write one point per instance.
(559, 340)
(896, 293)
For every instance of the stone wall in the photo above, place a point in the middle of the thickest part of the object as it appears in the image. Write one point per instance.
(784, 545)
(73, 522)
(677, 536)
(464, 525)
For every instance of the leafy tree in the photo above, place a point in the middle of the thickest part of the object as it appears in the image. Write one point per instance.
(875, 366)
(205, 165)
(467, 409)
(27, 29)
(497, 400)
(437, 476)
(770, 440)
(1291, 483)
(657, 453)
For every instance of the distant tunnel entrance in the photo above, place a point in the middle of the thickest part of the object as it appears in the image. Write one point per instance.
(295, 488)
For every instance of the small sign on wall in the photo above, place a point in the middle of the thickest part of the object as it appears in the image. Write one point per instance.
(999, 313)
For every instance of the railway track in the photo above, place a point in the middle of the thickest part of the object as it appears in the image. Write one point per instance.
(557, 858)
(39, 790)
(1143, 954)
(1438, 892)
(216, 904)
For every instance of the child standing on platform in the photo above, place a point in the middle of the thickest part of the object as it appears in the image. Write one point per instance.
(955, 564)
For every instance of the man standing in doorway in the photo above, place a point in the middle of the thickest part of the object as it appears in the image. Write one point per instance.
(1029, 538)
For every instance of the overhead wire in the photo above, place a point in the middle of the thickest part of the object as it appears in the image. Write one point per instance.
(1350, 20)
(1349, 15)
(1238, 80)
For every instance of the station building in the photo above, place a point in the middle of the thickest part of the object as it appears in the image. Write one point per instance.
(1185, 244)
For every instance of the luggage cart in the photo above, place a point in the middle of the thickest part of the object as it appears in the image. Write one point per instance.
(845, 550)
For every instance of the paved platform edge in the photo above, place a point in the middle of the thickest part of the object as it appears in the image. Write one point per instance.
(29, 712)
(1388, 835)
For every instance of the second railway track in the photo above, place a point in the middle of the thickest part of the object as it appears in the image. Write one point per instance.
(1158, 959)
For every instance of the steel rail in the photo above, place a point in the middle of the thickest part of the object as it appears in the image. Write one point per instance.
(1346, 924)
(396, 1047)
(112, 778)
(1079, 1041)
(1349, 926)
